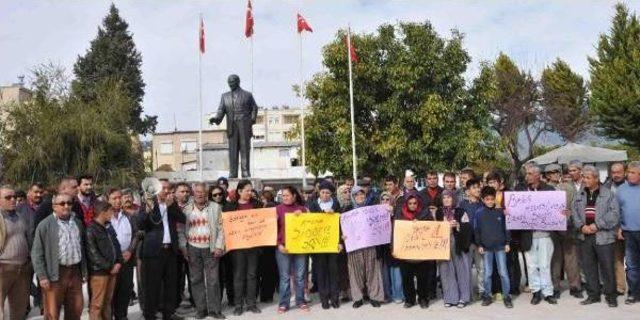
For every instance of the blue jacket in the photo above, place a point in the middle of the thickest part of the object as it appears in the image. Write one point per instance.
(491, 230)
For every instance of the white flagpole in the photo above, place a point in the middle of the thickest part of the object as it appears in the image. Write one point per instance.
(353, 128)
(200, 99)
(304, 152)
(252, 151)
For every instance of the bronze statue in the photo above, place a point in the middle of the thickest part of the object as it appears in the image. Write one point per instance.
(241, 111)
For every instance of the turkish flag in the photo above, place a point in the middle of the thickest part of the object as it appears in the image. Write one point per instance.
(201, 35)
(248, 27)
(303, 25)
(352, 48)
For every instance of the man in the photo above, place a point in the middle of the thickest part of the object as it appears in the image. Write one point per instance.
(59, 260)
(391, 186)
(465, 175)
(596, 216)
(471, 205)
(15, 269)
(183, 198)
(27, 211)
(616, 179)
(538, 246)
(203, 243)
(241, 111)
(628, 196)
(449, 181)
(126, 231)
(349, 182)
(86, 198)
(575, 170)
(159, 252)
(433, 191)
(67, 186)
(370, 191)
(565, 251)
(129, 207)
(223, 183)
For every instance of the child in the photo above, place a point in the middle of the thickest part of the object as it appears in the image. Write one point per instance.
(493, 239)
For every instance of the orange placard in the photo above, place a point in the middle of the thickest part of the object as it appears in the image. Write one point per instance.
(421, 240)
(250, 228)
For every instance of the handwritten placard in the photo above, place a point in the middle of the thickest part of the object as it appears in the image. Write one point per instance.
(312, 232)
(366, 227)
(250, 228)
(421, 240)
(536, 210)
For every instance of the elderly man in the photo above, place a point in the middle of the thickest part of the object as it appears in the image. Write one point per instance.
(565, 254)
(596, 216)
(15, 268)
(628, 196)
(68, 186)
(617, 179)
(59, 260)
(575, 171)
(202, 242)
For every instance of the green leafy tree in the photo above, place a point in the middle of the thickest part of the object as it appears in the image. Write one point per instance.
(113, 56)
(411, 107)
(511, 97)
(564, 98)
(52, 135)
(615, 79)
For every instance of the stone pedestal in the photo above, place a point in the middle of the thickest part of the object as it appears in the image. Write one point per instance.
(255, 182)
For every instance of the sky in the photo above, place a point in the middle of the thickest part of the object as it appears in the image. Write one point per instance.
(533, 33)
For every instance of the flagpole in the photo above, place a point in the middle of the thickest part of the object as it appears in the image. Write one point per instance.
(200, 101)
(353, 132)
(304, 153)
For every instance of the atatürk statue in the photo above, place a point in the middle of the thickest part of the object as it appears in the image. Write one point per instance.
(241, 111)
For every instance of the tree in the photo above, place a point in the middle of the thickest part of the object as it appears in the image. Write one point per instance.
(113, 56)
(411, 106)
(52, 135)
(564, 99)
(615, 79)
(510, 95)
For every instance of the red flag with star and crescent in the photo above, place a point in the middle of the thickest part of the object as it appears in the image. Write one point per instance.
(201, 37)
(352, 48)
(248, 27)
(303, 25)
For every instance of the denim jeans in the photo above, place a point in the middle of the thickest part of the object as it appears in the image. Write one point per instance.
(396, 283)
(501, 258)
(632, 260)
(287, 263)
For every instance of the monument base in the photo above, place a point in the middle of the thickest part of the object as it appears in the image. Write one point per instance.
(255, 182)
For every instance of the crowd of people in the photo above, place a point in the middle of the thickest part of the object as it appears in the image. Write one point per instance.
(173, 243)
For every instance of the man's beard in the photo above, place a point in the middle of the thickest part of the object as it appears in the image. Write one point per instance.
(86, 193)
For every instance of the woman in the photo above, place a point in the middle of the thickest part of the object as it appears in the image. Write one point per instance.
(244, 261)
(344, 196)
(326, 264)
(267, 265)
(292, 203)
(413, 209)
(455, 273)
(218, 195)
(391, 276)
(365, 274)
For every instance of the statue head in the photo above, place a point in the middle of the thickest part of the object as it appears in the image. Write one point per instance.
(233, 81)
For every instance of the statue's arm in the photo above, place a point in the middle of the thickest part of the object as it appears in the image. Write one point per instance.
(254, 108)
(217, 117)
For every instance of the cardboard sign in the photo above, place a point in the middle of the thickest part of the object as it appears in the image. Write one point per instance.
(421, 240)
(312, 232)
(250, 228)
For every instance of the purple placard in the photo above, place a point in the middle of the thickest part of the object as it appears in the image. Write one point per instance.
(366, 227)
(536, 210)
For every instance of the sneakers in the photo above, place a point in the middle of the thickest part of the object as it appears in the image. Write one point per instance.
(486, 300)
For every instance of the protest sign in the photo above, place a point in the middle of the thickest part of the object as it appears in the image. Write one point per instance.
(250, 228)
(536, 210)
(421, 240)
(312, 232)
(366, 227)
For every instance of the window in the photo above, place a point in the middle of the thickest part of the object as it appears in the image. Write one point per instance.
(260, 120)
(166, 148)
(188, 146)
(291, 119)
(274, 120)
(259, 137)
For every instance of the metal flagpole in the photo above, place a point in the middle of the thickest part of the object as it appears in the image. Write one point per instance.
(200, 100)
(252, 147)
(304, 151)
(353, 128)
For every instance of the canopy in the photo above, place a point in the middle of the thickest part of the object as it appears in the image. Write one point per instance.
(586, 154)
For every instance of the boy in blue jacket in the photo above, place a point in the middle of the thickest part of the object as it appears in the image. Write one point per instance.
(493, 239)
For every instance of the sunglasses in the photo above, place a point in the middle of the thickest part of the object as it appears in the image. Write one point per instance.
(216, 195)
(65, 203)
(9, 197)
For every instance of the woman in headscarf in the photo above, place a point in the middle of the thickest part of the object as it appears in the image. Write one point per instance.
(326, 264)
(365, 274)
(413, 209)
(343, 194)
(455, 274)
(391, 276)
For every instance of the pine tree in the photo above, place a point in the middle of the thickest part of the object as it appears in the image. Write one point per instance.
(112, 56)
(615, 79)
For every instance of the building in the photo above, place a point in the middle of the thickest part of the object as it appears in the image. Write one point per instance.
(14, 93)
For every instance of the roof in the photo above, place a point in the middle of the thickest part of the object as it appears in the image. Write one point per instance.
(587, 154)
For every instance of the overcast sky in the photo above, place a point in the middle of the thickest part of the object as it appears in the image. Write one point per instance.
(534, 33)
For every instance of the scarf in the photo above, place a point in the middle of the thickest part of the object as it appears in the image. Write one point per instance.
(448, 213)
(408, 214)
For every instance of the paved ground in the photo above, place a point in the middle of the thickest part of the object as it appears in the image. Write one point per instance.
(568, 308)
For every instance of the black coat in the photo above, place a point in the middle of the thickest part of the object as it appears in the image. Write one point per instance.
(103, 249)
(152, 225)
(464, 234)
